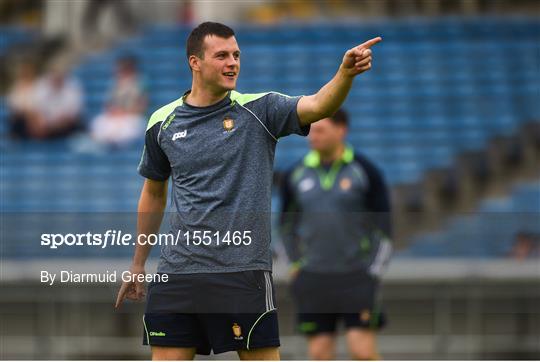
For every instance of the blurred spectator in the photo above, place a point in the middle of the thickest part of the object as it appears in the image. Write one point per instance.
(526, 245)
(59, 101)
(50, 108)
(21, 100)
(122, 121)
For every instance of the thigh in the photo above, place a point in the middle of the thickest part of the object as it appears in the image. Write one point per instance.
(322, 346)
(362, 344)
(260, 354)
(162, 353)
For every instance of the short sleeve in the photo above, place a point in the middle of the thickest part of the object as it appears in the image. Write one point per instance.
(282, 115)
(154, 162)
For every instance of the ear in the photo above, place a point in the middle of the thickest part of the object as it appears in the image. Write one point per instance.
(194, 63)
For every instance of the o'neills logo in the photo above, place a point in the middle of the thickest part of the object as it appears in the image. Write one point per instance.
(157, 334)
(228, 124)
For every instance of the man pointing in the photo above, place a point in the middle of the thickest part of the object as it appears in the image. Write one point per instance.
(217, 147)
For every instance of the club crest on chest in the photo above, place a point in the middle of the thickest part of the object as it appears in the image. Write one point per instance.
(228, 124)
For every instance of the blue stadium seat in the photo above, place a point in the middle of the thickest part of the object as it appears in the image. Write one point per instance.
(488, 232)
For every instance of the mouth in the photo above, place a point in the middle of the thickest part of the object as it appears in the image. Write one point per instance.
(230, 75)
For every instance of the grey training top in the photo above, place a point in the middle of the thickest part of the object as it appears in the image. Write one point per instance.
(220, 161)
(336, 219)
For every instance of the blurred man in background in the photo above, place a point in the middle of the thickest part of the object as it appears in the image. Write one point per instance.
(336, 230)
(122, 121)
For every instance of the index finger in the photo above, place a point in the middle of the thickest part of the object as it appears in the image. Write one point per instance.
(121, 295)
(368, 44)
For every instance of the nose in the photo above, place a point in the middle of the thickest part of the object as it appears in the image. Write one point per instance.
(232, 61)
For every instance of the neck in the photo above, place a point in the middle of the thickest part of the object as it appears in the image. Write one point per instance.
(203, 97)
(333, 154)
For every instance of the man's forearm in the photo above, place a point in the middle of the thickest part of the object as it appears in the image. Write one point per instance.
(327, 100)
(332, 95)
(149, 217)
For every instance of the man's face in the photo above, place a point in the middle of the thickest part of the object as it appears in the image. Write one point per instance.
(325, 136)
(220, 65)
(57, 78)
(125, 68)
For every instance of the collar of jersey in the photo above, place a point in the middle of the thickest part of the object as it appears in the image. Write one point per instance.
(226, 99)
(327, 179)
(313, 158)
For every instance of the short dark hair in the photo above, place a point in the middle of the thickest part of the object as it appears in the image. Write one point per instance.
(195, 40)
(340, 118)
(127, 59)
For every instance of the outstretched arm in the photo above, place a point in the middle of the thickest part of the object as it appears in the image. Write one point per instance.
(329, 98)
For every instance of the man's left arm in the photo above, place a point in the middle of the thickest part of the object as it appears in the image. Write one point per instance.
(331, 96)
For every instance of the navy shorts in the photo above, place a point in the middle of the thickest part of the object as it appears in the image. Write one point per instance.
(217, 312)
(323, 300)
